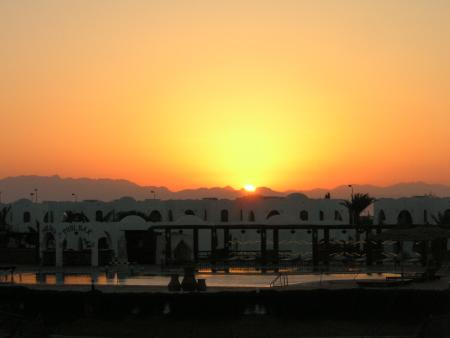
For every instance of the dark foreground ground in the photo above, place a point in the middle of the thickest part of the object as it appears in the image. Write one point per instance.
(277, 314)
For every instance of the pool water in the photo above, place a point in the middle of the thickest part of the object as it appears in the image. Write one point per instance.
(212, 280)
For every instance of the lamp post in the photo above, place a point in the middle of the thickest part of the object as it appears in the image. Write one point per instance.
(154, 194)
(75, 197)
(352, 216)
(351, 187)
(36, 194)
(32, 196)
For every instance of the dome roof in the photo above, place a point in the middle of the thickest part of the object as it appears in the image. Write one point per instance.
(297, 196)
(125, 199)
(132, 220)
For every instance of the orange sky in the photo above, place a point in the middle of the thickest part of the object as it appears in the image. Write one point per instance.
(286, 94)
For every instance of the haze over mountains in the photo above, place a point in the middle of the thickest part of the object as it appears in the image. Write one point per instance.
(55, 188)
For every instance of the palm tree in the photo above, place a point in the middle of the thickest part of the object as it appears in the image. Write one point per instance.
(357, 205)
(73, 216)
(3, 215)
(439, 246)
(4, 226)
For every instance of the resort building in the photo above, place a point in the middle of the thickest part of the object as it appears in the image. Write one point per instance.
(163, 231)
(419, 210)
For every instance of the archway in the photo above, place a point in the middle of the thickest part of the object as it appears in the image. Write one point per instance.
(155, 216)
(445, 219)
(105, 252)
(272, 213)
(447, 215)
(141, 246)
(103, 243)
(381, 217)
(49, 241)
(99, 216)
(251, 216)
(304, 216)
(224, 216)
(49, 253)
(404, 218)
(123, 214)
(26, 217)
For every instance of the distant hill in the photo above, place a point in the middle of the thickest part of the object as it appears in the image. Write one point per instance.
(55, 188)
(391, 191)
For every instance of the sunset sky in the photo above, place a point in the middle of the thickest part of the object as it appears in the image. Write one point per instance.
(288, 94)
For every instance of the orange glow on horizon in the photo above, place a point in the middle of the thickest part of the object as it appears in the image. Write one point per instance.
(283, 94)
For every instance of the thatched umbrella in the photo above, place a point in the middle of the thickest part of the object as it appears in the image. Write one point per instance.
(426, 234)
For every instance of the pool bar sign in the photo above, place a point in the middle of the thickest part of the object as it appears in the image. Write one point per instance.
(77, 228)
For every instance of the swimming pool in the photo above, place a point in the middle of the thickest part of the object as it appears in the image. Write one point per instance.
(212, 280)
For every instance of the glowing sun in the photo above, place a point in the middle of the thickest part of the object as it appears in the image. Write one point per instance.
(249, 188)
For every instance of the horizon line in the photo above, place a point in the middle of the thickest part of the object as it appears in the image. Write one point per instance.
(225, 186)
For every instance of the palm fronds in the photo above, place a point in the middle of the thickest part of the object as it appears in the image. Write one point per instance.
(3, 217)
(357, 205)
(73, 216)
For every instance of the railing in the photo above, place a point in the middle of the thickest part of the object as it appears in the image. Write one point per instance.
(282, 279)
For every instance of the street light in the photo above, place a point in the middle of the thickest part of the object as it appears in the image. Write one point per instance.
(154, 194)
(351, 187)
(75, 197)
(36, 194)
(31, 196)
(352, 216)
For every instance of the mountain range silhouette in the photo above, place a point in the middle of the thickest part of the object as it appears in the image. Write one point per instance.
(56, 188)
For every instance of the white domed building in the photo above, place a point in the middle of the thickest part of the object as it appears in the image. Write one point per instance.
(149, 231)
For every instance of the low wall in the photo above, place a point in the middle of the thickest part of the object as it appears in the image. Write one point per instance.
(336, 304)
(268, 313)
